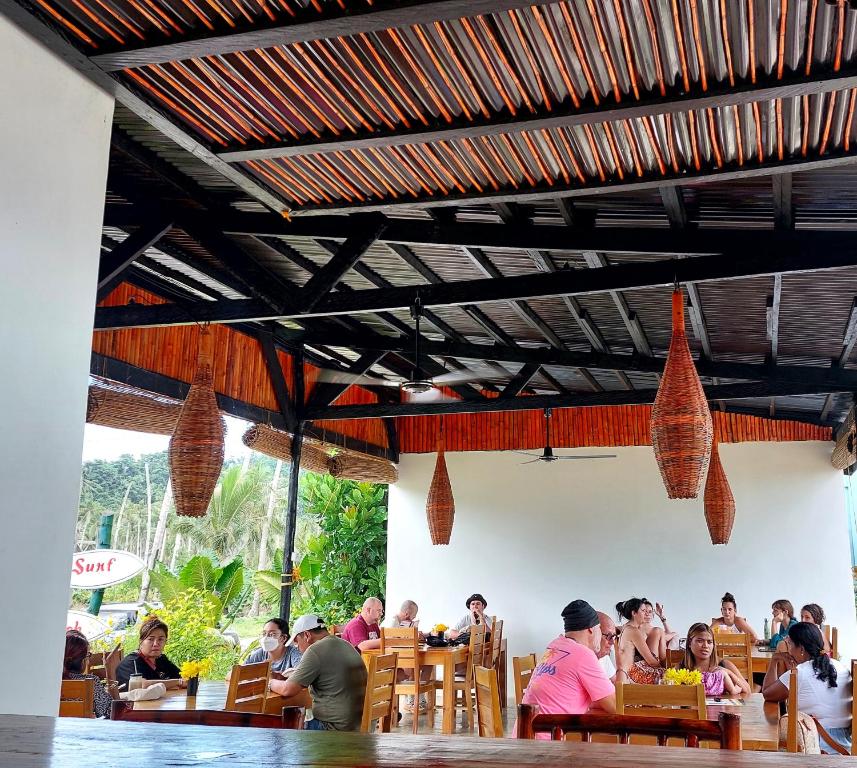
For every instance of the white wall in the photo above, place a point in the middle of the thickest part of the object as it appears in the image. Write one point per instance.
(532, 538)
(54, 140)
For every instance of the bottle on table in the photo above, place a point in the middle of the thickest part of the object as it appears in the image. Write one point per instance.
(767, 630)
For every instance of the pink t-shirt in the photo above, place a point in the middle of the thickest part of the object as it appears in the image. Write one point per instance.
(567, 680)
(357, 630)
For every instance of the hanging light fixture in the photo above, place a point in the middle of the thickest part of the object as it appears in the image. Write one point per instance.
(682, 430)
(719, 501)
(196, 447)
(440, 505)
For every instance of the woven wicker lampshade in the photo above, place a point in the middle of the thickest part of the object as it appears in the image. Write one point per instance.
(719, 501)
(440, 506)
(682, 430)
(196, 447)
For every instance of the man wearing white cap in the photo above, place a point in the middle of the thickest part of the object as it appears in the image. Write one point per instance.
(334, 673)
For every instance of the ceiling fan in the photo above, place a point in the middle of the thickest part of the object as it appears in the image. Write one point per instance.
(418, 386)
(548, 455)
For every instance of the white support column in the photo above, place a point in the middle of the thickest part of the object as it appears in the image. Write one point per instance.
(54, 144)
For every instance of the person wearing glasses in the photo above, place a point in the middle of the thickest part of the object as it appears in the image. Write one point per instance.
(605, 653)
(272, 646)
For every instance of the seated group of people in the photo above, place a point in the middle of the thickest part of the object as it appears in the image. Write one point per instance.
(577, 674)
(311, 657)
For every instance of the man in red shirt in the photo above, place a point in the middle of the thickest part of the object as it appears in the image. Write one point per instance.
(363, 631)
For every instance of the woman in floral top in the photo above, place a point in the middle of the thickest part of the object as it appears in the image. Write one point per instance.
(76, 651)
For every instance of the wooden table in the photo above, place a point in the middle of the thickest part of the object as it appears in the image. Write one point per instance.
(446, 658)
(760, 719)
(46, 742)
(212, 695)
(761, 659)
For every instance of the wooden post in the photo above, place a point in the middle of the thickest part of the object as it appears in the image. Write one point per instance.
(294, 477)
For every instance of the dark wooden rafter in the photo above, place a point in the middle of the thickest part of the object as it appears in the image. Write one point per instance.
(784, 217)
(326, 393)
(651, 103)
(519, 381)
(673, 200)
(346, 256)
(292, 494)
(538, 402)
(32, 24)
(633, 275)
(772, 320)
(288, 408)
(306, 24)
(114, 265)
(849, 340)
(629, 317)
(430, 276)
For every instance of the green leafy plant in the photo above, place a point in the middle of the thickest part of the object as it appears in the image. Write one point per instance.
(349, 551)
(191, 616)
(222, 586)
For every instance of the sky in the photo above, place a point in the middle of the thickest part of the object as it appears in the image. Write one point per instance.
(108, 444)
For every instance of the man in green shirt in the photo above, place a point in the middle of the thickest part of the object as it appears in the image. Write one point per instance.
(333, 671)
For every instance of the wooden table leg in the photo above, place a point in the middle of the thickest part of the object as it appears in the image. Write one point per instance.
(448, 697)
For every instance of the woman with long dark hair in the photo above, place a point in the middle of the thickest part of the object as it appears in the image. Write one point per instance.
(76, 653)
(813, 613)
(718, 676)
(635, 657)
(729, 620)
(824, 689)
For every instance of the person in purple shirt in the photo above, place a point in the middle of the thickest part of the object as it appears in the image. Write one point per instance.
(363, 631)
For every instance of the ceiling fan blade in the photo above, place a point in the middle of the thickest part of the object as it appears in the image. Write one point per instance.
(603, 456)
(455, 377)
(523, 463)
(527, 453)
(343, 377)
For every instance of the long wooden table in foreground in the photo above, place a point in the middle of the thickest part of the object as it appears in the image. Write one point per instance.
(212, 695)
(760, 728)
(45, 742)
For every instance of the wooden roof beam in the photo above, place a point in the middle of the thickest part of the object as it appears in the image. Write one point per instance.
(114, 265)
(289, 409)
(650, 103)
(523, 377)
(306, 24)
(538, 402)
(326, 393)
(632, 275)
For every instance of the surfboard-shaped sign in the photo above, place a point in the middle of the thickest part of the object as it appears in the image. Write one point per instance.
(91, 627)
(103, 568)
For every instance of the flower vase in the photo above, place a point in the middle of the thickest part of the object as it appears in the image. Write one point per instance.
(193, 686)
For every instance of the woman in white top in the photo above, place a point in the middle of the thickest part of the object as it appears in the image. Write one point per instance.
(824, 689)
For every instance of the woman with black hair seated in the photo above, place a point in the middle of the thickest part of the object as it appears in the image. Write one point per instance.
(823, 683)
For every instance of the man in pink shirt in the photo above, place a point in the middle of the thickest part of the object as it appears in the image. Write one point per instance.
(569, 679)
(363, 631)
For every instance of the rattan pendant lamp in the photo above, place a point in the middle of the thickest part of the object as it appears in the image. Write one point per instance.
(682, 430)
(719, 501)
(196, 447)
(440, 505)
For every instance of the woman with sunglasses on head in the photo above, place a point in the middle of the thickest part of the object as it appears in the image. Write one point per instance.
(635, 657)
(718, 677)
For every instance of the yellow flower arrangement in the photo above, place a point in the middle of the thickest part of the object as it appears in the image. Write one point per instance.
(683, 677)
(440, 628)
(191, 669)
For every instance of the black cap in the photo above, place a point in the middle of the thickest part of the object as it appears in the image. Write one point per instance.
(476, 596)
(578, 615)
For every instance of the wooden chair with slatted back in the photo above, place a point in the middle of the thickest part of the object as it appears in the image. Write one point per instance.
(291, 718)
(405, 642)
(663, 731)
(77, 698)
(248, 687)
(336, 629)
(674, 701)
(831, 634)
(464, 683)
(95, 666)
(523, 667)
(380, 687)
(496, 644)
(737, 647)
(486, 648)
(103, 665)
(488, 715)
(675, 656)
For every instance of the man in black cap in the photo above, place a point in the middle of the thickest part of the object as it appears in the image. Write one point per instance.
(569, 678)
(476, 605)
